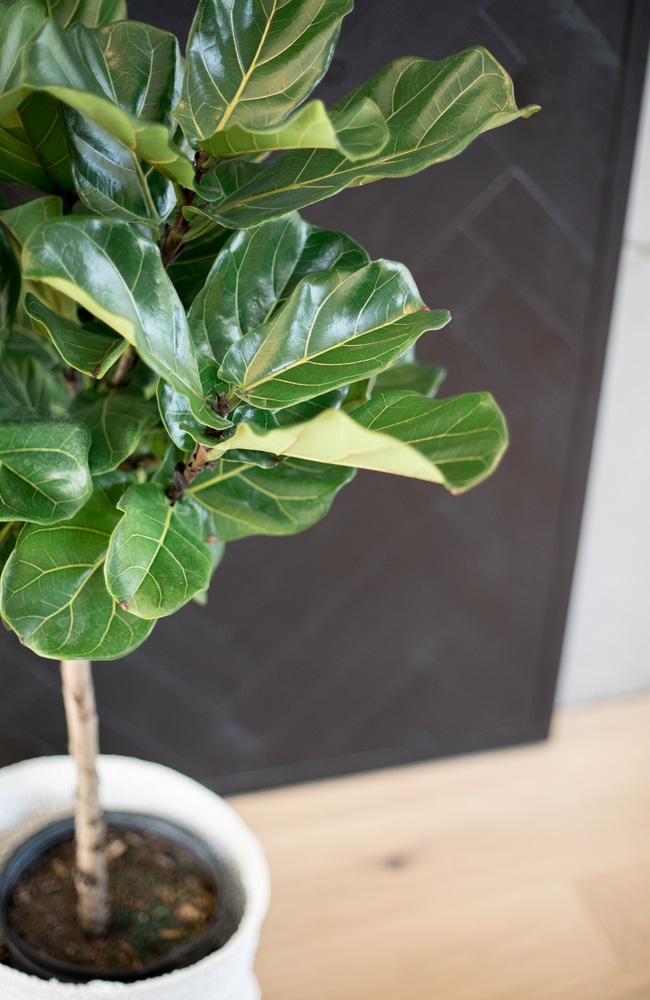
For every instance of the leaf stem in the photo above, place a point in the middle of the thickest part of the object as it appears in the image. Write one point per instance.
(155, 219)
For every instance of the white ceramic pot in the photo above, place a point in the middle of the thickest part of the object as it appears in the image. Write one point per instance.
(35, 792)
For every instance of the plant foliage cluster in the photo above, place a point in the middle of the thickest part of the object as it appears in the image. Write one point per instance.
(185, 361)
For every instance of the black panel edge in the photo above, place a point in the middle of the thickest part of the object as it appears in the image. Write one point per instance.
(328, 768)
(599, 313)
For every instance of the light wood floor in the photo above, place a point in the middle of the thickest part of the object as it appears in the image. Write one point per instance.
(517, 875)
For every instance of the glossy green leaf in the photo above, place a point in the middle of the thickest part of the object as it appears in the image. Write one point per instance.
(44, 475)
(28, 389)
(179, 421)
(19, 22)
(33, 150)
(358, 133)
(22, 220)
(32, 143)
(116, 419)
(322, 251)
(90, 69)
(464, 436)
(112, 180)
(251, 64)
(189, 271)
(54, 595)
(247, 500)
(92, 351)
(410, 375)
(215, 547)
(156, 559)
(117, 274)
(26, 342)
(256, 270)
(245, 282)
(110, 177)
(9, 288)
(92, 13)
(361, 130)
(266, 420)
(456, 441)
(336, 328)
(432, 109)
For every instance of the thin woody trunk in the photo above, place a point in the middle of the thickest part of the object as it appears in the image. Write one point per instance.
(91, 876)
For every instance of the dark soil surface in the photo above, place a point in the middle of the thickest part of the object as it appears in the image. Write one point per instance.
(160, 896)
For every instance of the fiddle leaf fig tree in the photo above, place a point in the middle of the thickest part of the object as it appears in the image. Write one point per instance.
(184, 361)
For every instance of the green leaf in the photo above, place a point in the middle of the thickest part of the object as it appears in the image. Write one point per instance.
(117, 274)
(296, 414)
(457, 441)
(19, 22)
(189, 271)
(323, 250)
(112, 180)
(247, 500)
(410, 375)
(21, 222)
(116, 419)
(23, 219)
(92, 13)
(464, 436)
(252, 64)
(358, 133)
(26, 343)
(44, 475)
(9, 288)
(256, 270)
(336, 328)
(92, 350)
(86, 68)
(110, 177)
(245, 282)
(179, 421)
(214, 546)
(9, 532)
(433, 111)
(361, 130)
(32, 145)
(156, 559)
(29, 389)
(54, 595)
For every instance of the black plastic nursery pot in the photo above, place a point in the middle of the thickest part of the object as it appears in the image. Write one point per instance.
(222, 923)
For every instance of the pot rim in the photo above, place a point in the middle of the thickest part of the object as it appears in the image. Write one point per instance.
(32, 849)
(42, 789)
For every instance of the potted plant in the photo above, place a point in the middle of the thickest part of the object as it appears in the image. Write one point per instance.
(185, 361)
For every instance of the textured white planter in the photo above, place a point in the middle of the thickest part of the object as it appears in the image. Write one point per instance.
(35, 792)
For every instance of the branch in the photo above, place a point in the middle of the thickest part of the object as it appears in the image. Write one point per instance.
(184, 473)
(173, 239)
(91, 874)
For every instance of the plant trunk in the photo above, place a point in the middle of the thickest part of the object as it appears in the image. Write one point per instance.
(91, 875)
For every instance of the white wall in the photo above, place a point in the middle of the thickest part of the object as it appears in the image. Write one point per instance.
(607, 644)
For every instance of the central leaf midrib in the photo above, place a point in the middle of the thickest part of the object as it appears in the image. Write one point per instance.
(159, 545)
(306, 360)
(92, 569)
(248, 73)
(353, 168)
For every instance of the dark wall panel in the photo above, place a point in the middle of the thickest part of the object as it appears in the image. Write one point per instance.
(411, 623)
